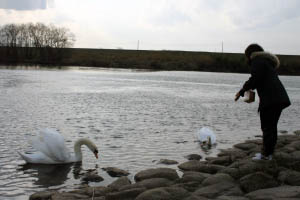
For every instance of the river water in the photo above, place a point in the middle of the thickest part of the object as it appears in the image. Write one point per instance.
(136, 118)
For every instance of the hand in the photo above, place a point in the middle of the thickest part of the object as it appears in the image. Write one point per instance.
(237, 96)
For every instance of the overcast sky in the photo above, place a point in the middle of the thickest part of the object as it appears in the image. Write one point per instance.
(190, 25)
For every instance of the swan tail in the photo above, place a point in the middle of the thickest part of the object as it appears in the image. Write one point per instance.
(25, 157)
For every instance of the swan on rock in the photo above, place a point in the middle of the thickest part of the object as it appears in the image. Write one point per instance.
(51, 149)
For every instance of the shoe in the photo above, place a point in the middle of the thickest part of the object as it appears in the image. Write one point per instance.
(259, 156)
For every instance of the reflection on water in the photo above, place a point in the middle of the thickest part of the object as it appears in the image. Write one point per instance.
(133, 117)
(48, 175)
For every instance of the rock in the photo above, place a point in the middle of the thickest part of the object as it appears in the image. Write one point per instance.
(256, 181)
(215, 190)
(289, 177)
(42, 195)
(295, 145)
(68, 196)
(233, 172)
(167, 162)
(276, 193)
(167, 173)
(125, 194)
(193, 157)
(234, 154)
(91, 177)
(149, 184)
(120, 182)
(224, 161)
(194, 165)
(193, 177)
(297, 132)
(283, 131)
(194, 197)
(174, 193)
(231, 198)
(245, 146)
(115, 172)
(217, 178)
(98, 191)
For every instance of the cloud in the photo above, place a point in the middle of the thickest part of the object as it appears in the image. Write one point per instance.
(25, 4)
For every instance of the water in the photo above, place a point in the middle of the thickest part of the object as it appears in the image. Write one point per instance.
(136, 118)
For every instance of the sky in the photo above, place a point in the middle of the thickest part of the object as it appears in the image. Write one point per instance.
(188, 25)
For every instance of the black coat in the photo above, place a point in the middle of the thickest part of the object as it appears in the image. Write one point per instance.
(264, 79)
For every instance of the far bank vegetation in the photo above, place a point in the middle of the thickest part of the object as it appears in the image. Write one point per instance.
(39, 44)
(34, 43)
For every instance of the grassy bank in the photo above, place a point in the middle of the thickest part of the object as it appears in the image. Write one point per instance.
(154, 60)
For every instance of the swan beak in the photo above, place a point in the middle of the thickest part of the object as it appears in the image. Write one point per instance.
(96, 155)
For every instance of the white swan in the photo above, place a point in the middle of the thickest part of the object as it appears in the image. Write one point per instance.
(51, 149)
(206, 136)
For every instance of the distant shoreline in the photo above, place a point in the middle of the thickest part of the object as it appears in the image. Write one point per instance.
(139, 59)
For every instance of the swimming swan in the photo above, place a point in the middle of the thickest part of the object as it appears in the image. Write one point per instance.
(51, 149)
(206, 136)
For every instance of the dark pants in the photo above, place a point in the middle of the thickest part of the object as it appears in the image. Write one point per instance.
(269, 119)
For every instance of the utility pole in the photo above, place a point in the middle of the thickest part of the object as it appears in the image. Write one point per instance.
(222, 47)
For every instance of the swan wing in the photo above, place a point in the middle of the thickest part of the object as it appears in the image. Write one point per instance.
(36, 158)
(204, 133)
(51, 143)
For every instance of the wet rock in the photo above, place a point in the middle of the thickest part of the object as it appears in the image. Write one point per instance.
(98, 191)
(256, 181)
(115, 172)
(233, 172)
(149, 184)
(68, 196)
(42, 195)
(193, 157)
(245, 146)
(125, 194)
(224, 161)
(217, 178)
(193, 177)
(283, 132)
(215, 190)
(194, 165)
(174, 193)
(289, 177)
(91, 177)
(297, 132)
(167, 162)
(167, 173)
(231, 198)
(120, 182)
(295, 145)
(194, 197)
(234, 154)
(276, 193)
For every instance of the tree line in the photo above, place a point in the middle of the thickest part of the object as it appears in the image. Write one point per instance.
(37, 43)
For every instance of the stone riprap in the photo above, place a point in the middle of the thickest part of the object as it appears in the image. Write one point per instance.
(231, 175)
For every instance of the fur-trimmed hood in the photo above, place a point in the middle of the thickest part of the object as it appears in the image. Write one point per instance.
(267, 55)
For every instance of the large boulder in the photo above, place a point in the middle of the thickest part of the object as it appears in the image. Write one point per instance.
(193, 157)
(125, 194)
(276, 193)
(115, 172)
(217, 178)
(256, 181)
(174, 193)
(191, 176)
(215, 190)
(197, 166)
(149, 184)
(289, 177)
(120, 182)
(167, 173)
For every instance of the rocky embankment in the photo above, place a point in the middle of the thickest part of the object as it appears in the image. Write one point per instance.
(232, 175)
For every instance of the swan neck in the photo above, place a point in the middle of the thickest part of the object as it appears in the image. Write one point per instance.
(77, 150)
